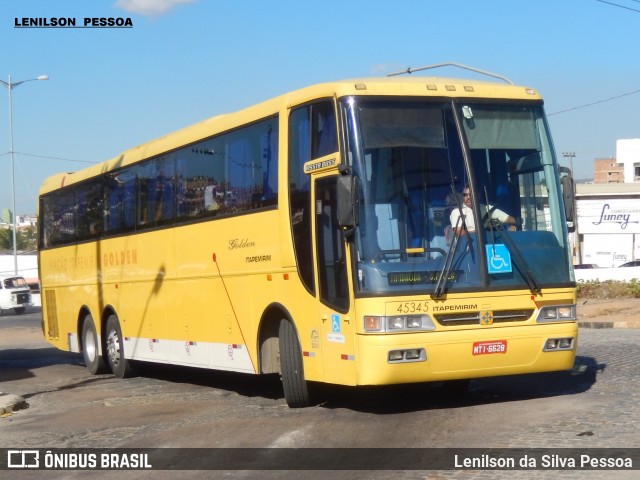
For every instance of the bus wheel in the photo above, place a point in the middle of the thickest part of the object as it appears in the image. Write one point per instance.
(120, 366)
(90, 351)
(296, 389)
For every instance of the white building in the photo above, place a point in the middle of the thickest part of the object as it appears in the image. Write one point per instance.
(608, 223)
(27, 266)
(628, 154)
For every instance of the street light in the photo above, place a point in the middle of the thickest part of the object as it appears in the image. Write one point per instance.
(10, 86)
(571, 156)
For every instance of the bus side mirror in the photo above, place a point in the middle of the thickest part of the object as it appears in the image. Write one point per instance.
(348, 201)
(568, 195)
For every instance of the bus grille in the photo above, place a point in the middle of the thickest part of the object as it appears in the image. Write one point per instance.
(52, 313)
(474, 318)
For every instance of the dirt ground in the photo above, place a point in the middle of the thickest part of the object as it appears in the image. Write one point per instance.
(620, 308)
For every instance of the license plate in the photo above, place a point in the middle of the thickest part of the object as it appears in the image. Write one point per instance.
(487, 348)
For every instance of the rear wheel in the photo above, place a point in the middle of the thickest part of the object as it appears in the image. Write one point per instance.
(90, 347)
(120, 366)
(296, 389)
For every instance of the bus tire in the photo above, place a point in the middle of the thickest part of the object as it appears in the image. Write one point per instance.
(120, 366)
(90, 347)
(296, 389)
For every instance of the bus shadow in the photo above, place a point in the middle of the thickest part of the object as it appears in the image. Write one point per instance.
(393, 399)
(247, 385)
(18, 363)
(437, 395)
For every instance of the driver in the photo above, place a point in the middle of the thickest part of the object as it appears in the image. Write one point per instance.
(469, 220)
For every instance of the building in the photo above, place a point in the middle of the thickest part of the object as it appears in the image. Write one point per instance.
(23, 221)
(628, 155)
(608, 224)
(6, 216)
(608, 210)
(607, 170)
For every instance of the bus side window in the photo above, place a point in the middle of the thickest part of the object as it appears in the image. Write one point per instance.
(155, 191)
(89, 199)
(59, 211)
(120, 201)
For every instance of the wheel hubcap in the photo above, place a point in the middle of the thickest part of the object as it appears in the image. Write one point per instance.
(113, 348)
(90, 347)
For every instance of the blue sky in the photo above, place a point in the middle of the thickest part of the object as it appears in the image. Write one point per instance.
(111, 89)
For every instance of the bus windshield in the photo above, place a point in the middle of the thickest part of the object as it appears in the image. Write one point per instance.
(461, 194)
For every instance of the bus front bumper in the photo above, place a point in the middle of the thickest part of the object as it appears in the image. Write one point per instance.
(462, 354)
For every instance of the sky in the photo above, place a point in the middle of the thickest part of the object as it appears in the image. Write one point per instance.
(182, 61)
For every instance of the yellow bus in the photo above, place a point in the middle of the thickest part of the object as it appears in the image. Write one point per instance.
(311, 236)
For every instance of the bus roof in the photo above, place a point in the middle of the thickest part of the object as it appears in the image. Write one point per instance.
(385, 86)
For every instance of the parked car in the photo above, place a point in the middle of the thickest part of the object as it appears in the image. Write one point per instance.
(633, 263)
(585, 265)
(14, 294)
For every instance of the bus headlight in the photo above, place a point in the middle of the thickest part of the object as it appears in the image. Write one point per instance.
(398, 323)
(560, 313)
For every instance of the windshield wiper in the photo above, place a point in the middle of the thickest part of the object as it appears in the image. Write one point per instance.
(457, 233)
(448, 261)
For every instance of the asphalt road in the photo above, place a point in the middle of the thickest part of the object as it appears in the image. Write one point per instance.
(595, 405)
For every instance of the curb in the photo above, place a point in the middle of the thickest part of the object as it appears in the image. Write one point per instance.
(595, 324)
(10, 403)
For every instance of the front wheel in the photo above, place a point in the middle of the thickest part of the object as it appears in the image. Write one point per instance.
(296, 389)
(120, 366)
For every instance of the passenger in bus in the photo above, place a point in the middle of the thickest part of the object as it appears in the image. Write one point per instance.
(211, 202)
(469, 223)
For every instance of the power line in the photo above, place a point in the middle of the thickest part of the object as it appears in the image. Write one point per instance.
(619, 6)
(50, 158)
(594, 103)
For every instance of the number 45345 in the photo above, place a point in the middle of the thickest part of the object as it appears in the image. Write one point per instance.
(411, 307)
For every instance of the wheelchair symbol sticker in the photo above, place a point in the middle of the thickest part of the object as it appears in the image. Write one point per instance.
(335, 323)
(498, 259)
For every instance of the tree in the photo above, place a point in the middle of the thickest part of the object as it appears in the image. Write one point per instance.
(26, 239)
(5, 239)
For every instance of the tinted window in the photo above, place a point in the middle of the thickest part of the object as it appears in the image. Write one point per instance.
(229, 174)
(312, 134)
(120, 200)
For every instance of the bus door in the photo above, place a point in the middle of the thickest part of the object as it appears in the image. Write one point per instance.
(337, 326)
